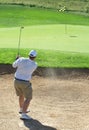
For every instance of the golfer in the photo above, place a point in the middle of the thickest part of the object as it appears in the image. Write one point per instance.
(24, 69)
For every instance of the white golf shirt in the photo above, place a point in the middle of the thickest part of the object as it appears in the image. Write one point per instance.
(25, 68)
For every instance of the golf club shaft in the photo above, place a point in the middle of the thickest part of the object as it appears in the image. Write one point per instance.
(19, 40)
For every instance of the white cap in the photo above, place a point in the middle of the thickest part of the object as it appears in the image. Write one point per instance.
(33, 53)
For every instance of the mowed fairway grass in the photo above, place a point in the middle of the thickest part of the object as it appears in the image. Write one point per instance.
(59, 39)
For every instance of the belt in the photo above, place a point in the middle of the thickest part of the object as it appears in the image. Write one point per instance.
(21, 80)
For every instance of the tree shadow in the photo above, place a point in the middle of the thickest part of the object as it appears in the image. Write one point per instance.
(33, 124)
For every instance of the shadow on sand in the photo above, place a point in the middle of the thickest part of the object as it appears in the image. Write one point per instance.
(33, 124)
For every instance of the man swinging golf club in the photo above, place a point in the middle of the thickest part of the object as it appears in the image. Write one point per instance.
(25, 68)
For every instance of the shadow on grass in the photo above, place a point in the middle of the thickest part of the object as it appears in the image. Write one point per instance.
(33, 124)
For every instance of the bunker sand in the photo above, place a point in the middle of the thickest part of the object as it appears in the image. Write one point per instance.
(59, 103)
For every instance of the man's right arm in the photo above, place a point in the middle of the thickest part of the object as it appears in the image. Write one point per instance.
(15, 63)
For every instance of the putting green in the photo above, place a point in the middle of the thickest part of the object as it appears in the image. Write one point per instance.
(55, 37)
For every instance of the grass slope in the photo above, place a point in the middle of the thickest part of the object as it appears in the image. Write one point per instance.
(14, 16)
(49, 58)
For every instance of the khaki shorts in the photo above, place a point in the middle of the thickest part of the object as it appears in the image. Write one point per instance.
(23, 88)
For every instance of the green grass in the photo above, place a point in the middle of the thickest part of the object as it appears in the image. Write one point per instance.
(58, 37)
(47, 37)
(15, 16)
(49, 58)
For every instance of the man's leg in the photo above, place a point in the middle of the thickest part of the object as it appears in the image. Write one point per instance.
(26, 105)
(27, 92)
(24, 110)
(21, 102)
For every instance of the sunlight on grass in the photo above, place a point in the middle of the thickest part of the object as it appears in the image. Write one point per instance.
(48, 37)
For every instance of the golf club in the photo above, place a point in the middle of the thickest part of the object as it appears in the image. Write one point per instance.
(19, 40)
